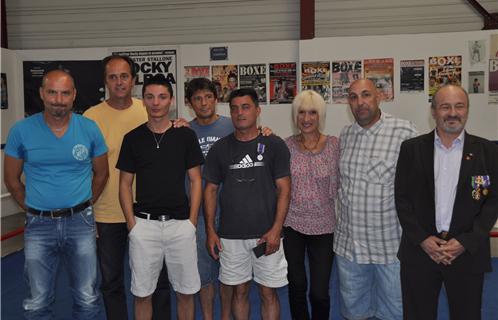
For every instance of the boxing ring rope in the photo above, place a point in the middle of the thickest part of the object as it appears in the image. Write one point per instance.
(11, 234)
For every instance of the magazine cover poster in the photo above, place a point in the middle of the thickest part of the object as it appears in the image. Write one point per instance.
(149, 63)
(411, 75)
(226, 79)
(88, 80)
(193, 72)
(316, 76)
(381, 72)
(254, 76)
(283, 81)
(477, 50)
(444, 70)
(476, 82)
(5, 99)
(343, 73)
(493, 46)
(493, 81)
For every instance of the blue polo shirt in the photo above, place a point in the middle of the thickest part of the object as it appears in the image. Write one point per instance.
(58, 171)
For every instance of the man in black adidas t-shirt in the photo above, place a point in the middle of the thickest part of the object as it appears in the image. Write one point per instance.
(255, 175)
(161, 222)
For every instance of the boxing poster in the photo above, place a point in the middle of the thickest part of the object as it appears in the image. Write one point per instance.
(444, 70)
(254, 76)
(476, 82)
(226, 80)
(316, 76)
(149, 62)
(411, 75)
(343, 74)
(381, 72)
(282, 82)
(493, 81)
(193, 72)
(88, 79)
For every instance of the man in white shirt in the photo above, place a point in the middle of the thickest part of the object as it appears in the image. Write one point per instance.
(447, 202)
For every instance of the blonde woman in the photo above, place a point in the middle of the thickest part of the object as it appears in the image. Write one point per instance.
(309, 226)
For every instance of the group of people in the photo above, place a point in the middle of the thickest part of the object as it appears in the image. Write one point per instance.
(218, 199)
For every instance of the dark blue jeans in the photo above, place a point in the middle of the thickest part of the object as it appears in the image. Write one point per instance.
(70, 239)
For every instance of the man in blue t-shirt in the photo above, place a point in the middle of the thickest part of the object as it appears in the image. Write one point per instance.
(64, 159)
(209, 127)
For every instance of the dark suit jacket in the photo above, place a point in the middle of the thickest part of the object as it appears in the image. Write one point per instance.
(471, 220)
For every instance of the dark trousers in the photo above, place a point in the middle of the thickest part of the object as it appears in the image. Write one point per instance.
(320, 256)
(111, 250)
(421, 285)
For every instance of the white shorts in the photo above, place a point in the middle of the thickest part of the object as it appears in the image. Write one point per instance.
(238, 264)
(151, 243)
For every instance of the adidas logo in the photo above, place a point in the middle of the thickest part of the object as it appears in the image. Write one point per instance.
(246, 159)
(246, 162)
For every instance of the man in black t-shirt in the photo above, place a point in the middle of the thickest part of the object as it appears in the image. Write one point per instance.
(162, 221)
(255, 174)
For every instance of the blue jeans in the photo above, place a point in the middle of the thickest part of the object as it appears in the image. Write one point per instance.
(208, 267)
(369, 290)
(72, 240)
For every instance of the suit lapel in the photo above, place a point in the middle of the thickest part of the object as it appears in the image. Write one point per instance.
(469, 156)
(427, 155)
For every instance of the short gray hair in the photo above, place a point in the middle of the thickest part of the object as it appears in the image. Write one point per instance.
(434, 102)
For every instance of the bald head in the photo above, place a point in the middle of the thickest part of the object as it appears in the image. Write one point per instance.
(364, 84)
(57, 74)
(450, 110)
(57, 93)
(363, 100)
(448, 89)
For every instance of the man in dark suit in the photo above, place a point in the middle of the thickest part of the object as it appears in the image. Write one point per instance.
(447, 202)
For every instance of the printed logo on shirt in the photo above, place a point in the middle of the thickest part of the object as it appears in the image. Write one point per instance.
(246, 162)
(80, 152)
(206, 143)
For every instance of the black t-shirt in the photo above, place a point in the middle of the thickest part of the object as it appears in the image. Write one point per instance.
(247, 171)
(160, 172)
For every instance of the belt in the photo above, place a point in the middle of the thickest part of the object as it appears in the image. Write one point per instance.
(65, 212)
(148, 216)
(443, 235)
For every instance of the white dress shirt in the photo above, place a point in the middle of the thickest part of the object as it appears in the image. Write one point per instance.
(446, 171)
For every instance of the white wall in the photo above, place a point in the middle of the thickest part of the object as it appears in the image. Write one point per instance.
(276, 116)
(483, 118)
(11, 66)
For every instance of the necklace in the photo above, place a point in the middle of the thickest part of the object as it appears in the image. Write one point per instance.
(53, 128)
(160, 139)
(313, 147)
(57, 131)
(158, 142)
(51, 123)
